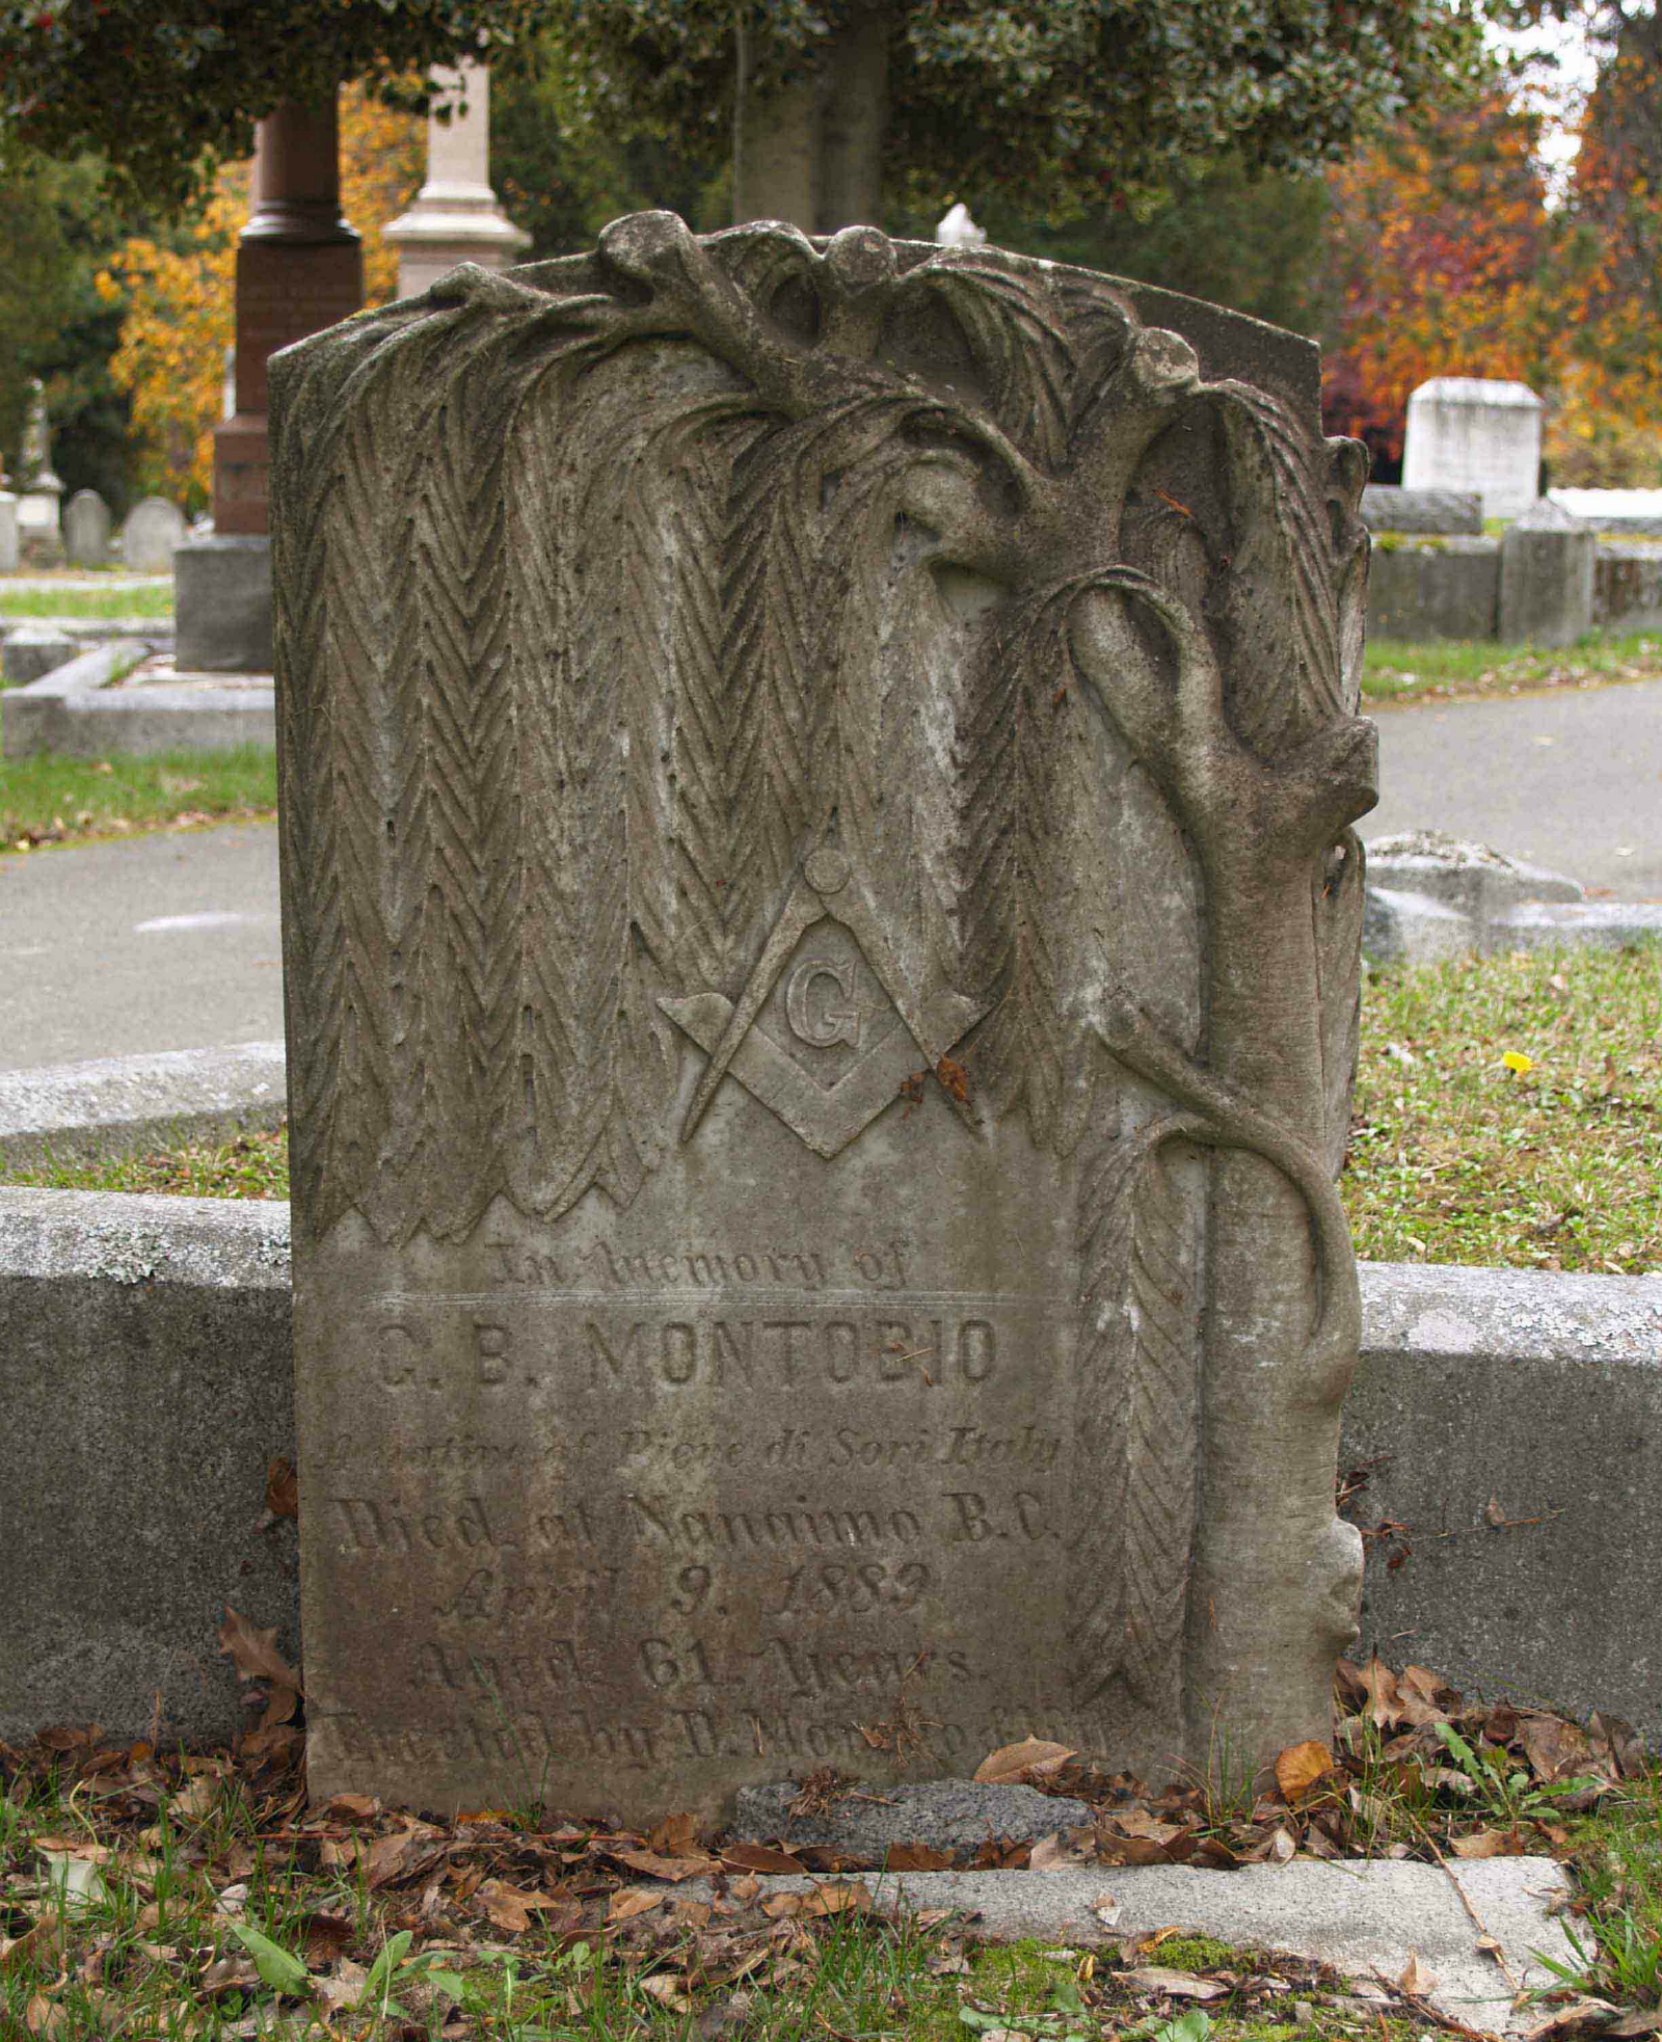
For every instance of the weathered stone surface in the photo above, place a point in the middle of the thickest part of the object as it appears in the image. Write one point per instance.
(34, 651)
(1441, 511)
(223, 585)
(144, 1377)
(1627, 585)
(1435, 588)
(116, 1104)
(154, 528)
(1535, 1397)
(1547, 562)
(1623, 513)
(86, 529)
(1480, 882)
(781, 747)
(1475, 1928)
(1414, 928)
(1475, 432)
(1543, 1381)
(80, 711)
(9, 541)
(942, 1815)
(1551, 925)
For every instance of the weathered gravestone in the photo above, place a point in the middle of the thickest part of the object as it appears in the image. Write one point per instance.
(822, 958)
(86, 529)
(154, 529)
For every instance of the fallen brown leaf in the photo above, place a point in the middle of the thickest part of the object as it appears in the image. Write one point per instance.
(916, 1857)
(254, 1653)
(1488, 1843)
(1032, 1759)
(1416, 1981)
(761, 1857)
(1301, 1768)
(511, 1907)
(282, 1489)
(675, 1837)
(651, 1866)
(629, 1901)
(1172, 1984)
(667, 1992)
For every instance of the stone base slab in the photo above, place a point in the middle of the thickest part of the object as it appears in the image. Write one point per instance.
(78, 712)
(146, 1384)
(222, 603)
(1366, 1918)
(120, 1104)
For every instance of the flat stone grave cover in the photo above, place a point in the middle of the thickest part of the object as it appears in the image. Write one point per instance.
(822, 959)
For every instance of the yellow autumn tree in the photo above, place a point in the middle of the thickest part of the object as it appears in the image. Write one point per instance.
(180, 317)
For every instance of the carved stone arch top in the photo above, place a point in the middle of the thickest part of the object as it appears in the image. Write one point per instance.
(821, 954)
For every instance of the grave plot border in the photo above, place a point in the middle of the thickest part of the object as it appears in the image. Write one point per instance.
(164, 1323)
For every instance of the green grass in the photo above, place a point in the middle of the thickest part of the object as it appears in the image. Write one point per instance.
(1457, 669)
(1618, 1866)
(77, 600)
(47, 800)
(1456, 1158)
(252, 1165)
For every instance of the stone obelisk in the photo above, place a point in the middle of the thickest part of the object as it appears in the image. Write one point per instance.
(299, 269)
(456, 216)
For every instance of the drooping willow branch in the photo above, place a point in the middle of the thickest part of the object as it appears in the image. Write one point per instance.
(1219, 1117)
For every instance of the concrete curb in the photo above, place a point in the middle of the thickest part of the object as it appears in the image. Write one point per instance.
(1504, 1433)
(1365, 1917)
(157, 1330)
(146, 1384)
(75, 712)
(116, 1105)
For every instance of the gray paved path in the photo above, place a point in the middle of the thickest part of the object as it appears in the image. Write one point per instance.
(171, 941)
(1572, 780)
(162, 942)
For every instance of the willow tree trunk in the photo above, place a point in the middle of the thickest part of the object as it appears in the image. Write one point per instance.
(811, 151)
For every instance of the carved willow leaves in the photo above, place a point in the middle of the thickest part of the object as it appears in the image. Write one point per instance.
(610, 591)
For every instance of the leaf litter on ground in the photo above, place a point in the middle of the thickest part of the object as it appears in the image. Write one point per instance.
(235, 1888)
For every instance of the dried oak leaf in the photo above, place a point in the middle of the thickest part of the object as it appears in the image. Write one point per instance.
(510, 1908)
(254, 1653)
(1032, 1759)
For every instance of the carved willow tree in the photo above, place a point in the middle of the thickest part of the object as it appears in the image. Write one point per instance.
(613, 591)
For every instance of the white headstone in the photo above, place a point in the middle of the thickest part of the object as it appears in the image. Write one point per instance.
(153, 528)
(86, 529)
(8, 532)
(456, 217)
(1471, 433)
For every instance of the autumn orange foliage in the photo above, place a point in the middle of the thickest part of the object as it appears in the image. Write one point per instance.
(180, 289)
(1438, 243)
(1445, 258)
